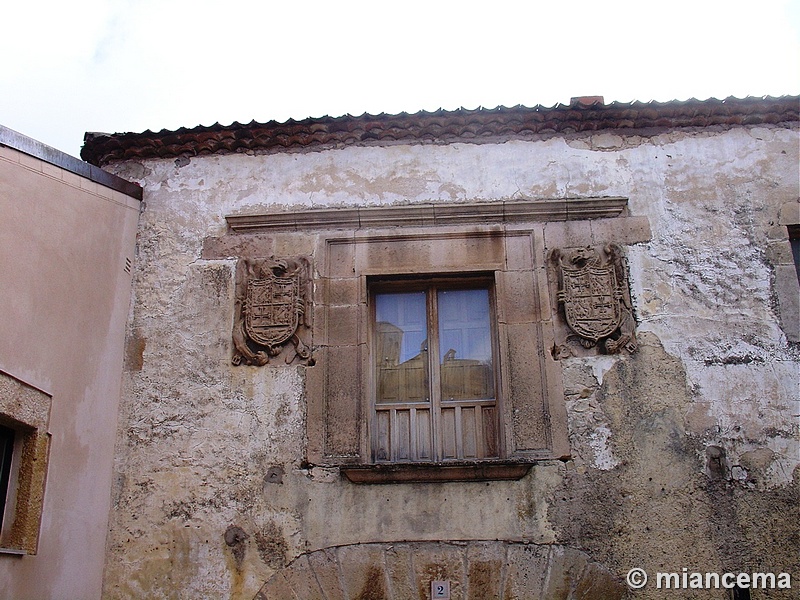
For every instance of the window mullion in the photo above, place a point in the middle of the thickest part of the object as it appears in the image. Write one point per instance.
(433, 370)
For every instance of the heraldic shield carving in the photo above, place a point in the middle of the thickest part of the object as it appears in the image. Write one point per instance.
(593, 291)
(273, 310)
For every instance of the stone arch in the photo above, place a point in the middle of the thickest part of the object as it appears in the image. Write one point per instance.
(476, 570)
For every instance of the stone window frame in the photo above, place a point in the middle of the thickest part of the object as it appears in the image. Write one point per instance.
(8, 448)
(26, 410)
(787, 283)
(507, 238)
(532, 426)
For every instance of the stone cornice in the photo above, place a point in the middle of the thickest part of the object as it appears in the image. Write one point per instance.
(423, 215)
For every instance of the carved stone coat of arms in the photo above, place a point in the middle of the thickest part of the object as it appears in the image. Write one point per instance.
(273, 310)
(595, 299)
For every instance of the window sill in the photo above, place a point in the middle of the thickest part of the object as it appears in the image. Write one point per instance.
(13, 551)
(433, 472)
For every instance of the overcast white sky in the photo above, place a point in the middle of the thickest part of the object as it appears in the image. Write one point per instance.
(133, 65)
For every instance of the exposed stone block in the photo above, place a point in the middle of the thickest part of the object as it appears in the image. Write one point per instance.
(340, 260)
(517, 297)
(363, 572)
(596, 582)
(519, 255)
(524, 385)
(277, 588)
(567, 234)
(400, 570)
(440, 562)
(343, 414)
(485, 569)
(564, 570)
(622, 230)
(302, 579)
(527, 566)
(788, 291)
(343, 325)
(325, 567)
(340, 291)
(790, 213)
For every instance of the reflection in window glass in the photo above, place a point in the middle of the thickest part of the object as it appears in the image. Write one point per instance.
(401, 353)
(465, 345)
(440, 406)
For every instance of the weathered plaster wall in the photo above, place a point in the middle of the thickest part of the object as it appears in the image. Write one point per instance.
(64, 301)
(685, 454)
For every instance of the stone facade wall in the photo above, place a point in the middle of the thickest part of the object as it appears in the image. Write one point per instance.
(684, 453)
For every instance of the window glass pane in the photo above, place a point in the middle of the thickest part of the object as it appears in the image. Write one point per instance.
(465, 345)
(402, 347)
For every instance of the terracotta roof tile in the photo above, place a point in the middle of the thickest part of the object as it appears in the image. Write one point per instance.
(441, 126)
